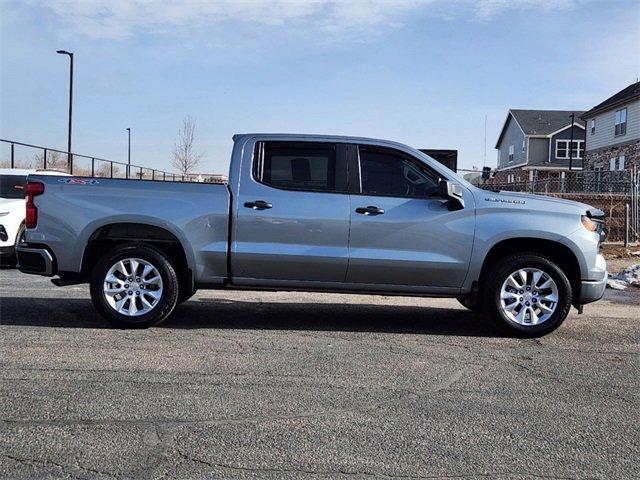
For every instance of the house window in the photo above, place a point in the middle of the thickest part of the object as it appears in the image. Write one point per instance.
(511, 149)
(593, 126)
(617, 164)
(562, 149)
(510, 178)
(621, 121)
(523, 145)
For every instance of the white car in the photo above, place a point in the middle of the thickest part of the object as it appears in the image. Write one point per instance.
(12, 209)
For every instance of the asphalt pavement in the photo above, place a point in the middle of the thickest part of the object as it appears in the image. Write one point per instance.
(296, 385)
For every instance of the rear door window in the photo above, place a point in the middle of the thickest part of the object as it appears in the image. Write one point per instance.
(12, 186)
(300, 166)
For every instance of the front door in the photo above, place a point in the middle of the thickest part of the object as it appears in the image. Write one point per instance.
(292, 214)
(402, 231)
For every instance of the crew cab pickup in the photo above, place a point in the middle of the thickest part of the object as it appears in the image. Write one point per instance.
(316, 213)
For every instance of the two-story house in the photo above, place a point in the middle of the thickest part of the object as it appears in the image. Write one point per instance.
(613, 132)
(534, 141)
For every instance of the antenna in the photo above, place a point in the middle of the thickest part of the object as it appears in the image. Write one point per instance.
(484, 161)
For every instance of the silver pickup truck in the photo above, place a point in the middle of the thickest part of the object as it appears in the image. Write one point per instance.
(316, 213)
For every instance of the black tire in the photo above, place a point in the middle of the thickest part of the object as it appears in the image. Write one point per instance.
(497, 276)
(170, 290)
(466, 302)
(20, 239)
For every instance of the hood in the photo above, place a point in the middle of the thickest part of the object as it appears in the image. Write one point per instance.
(532, 201)
(7, 204)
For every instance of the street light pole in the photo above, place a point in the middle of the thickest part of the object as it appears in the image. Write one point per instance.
(70, 156)
(129, 152)
(571, 143)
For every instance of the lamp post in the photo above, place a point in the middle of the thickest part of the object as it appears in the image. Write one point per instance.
(70, 156)
(129, 152)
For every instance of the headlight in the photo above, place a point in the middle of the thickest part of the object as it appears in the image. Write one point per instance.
(588, 223)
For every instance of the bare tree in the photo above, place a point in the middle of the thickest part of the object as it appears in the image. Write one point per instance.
(55, 161)
(185, 159)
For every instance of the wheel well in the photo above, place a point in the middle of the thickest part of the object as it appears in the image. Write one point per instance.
(557, 252)
(107, 237)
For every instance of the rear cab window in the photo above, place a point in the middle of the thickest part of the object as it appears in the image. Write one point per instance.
(12, 186)
(305, 166)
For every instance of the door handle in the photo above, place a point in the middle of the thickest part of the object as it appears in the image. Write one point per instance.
(370, 210)
(258, 205)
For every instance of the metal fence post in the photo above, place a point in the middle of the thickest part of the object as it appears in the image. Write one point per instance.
(153, 174)
(111, 169)
(164, 176)
(93, 167)
(140, 174)
(12, 155)
(626, 225)
(44, 159)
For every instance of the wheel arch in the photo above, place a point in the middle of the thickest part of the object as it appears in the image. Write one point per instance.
(106, 236)
(558, 252)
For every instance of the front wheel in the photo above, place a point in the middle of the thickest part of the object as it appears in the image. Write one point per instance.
(134, 286)
(527, 295)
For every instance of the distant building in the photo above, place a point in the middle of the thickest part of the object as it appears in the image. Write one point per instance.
(536, 143)
(613, 131)
(207, 177)
(449, 158)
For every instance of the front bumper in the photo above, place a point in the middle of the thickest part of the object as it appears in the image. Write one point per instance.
(593, 290)
(35, 260)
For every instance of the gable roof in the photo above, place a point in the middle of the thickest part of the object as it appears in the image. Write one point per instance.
(540, 122)
(632, 92)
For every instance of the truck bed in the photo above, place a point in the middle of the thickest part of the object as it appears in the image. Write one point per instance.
(73, 209)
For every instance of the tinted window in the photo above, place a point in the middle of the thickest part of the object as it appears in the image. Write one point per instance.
(297, 166)
(384, 172)
(12, 186)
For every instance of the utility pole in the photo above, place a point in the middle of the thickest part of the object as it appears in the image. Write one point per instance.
(129, 152)
(69, 155)
(571, 143)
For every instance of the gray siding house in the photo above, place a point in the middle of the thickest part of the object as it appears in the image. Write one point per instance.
(540, 140)
(613, 131)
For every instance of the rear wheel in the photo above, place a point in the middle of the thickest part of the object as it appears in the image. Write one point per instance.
(527, 295)
(134, 286)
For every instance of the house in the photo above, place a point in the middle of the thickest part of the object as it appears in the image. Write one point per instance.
(613, 132)
(535, 141)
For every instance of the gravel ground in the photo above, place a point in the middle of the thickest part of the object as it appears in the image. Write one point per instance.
(296, 385)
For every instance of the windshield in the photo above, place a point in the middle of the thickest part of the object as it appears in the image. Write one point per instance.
(12, 186)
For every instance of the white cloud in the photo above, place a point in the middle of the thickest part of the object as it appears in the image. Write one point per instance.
(486, 9)
(118, 19)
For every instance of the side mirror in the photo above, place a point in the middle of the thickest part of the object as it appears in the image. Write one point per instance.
(453, 192)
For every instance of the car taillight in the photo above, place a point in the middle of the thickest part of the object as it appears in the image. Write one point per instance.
(32, 190)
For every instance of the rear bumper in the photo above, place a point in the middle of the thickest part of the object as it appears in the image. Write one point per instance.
(35, 260)
(593, 290)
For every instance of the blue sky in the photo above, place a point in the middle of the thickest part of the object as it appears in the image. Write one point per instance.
(421, 72)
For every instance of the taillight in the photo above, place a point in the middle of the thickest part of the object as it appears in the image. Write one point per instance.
(32, 190)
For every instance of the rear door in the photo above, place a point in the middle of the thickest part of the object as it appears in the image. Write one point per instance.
(292, 214)
(402, 231)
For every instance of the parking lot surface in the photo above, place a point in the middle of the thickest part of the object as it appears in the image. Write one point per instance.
(296, 385)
